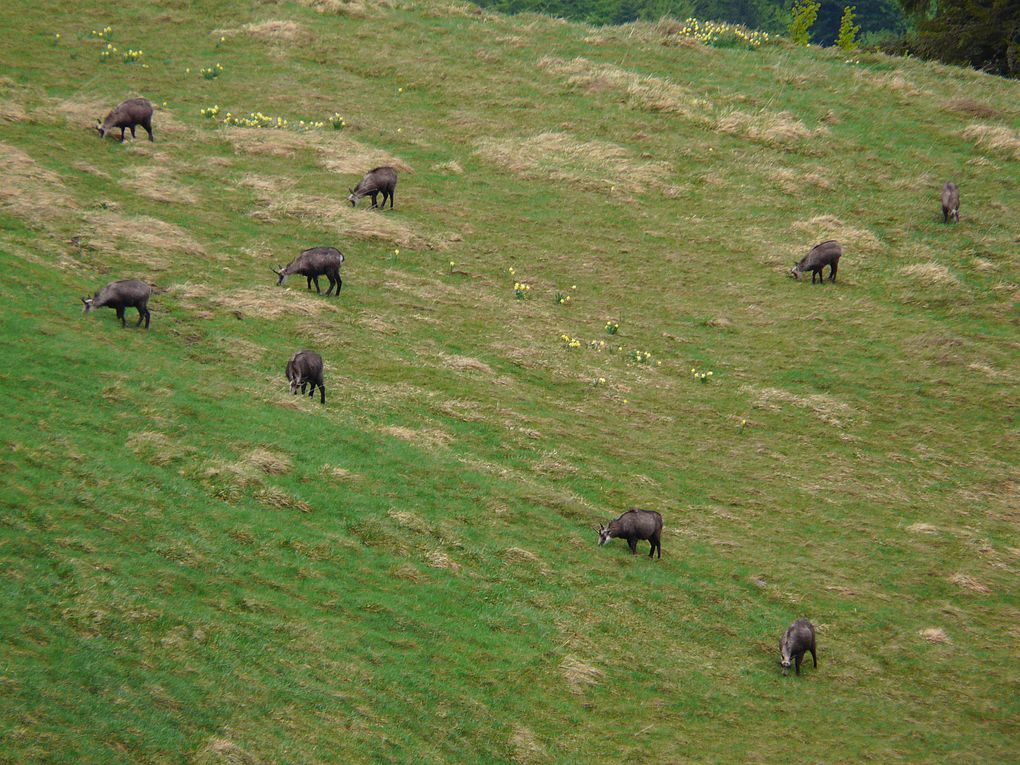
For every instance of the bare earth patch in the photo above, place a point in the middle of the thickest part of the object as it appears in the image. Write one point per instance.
(30, 191)
(594, 165)
(996, 138)
(640, 91)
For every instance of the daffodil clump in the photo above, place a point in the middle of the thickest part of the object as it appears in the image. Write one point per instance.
(259, 120)
(612, 327)
(107, 53)
(599, 345)
(211, 72)
(521, 290)
(337, 121)
(701, 377)
(599, 381)
(56, 39)
(131, 56)
(719, 34)
(570, 342)
(640, 357)
(210, 112)
(562, 298)
(106, 33)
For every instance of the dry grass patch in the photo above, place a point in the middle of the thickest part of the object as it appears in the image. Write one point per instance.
(997, 138)
(823, 227)
(439, 559)
(274, 497)
(28, 190)
(155, 447)
(594, 165)
(159, 184)
(465, 411)
(923, 528)
(270, 30)
(638, 91)
(969, 583)
(465, 363)
(526, 747)
(83, 113)
(826, 408)
(771, 128)
(277, 201)
(427, 438)
(12, 111)
(357, 8)
(220, 751)
(930, 275)
(971, 108)
(338, 474)
(935, 635)
(794, 181)
(266, 302)
(578, 674)
(268, 462)
(142, 238)
(406, 519)
(453, 166)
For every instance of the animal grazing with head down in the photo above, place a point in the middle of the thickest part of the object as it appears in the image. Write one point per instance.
(821, 255)
(304, 369)
(633, 525)
(129, 293)
(381, 180)
(134, 111)
(798, 639)
(950, 202)
(313, 263)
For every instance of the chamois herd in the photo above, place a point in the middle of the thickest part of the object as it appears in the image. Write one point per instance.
(305, 368)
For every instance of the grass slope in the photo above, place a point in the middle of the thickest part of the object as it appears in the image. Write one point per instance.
(198, 567)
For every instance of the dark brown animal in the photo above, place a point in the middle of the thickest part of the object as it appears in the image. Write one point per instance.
(313, 263)
(633, 525)
(134, 111)
(798, 639)
(129, 293)
(821, 255)
(304, 369)
(950, 203)
(381, 180)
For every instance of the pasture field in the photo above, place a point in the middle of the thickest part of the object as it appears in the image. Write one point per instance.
(197, 567)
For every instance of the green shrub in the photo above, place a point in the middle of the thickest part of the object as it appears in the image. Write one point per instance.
(848, 31)
(803, 15)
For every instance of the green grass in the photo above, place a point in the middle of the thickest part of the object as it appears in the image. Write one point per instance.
(198, 567)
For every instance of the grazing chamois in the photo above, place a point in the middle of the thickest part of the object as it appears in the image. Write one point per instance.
(303, 369)
(950, 203)
(381, 180)
(633, 525)
(134, 111)
(798, 639)
(313, 263)
(128, 293)
(821, 255)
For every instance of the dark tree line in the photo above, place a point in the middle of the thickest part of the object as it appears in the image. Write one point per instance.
(984, 34)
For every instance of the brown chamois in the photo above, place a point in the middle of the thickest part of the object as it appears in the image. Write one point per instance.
(950, 203)
(821, 255)
(381, 180)
(798, 639)
(129, 293)
(303, 369)
(313, 263)
(633, 525)
(134, 111)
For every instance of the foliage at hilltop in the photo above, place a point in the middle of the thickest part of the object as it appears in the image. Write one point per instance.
(580, 303)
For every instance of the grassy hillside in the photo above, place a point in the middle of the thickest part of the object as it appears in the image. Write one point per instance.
(198, 567)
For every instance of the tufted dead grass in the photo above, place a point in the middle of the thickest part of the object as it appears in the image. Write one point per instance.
(969, 583)
(355, 8)
(272, 496)
(270, 30)
(265, 302)
(578, 674)
(780, 129)
(453, 166)
(795, 181)
(935, 635)
(971, 108)
(338, 474)
(639, 91)
(30, 191)
(159, 184)
(427, 438)
(142, 238)
(465, 364)
(277, 202)
(439, 559)
(823, 227)
(826, 408)
(268, 461)
(526, 747)
(221, 751)
(930, 275)
(995, 138)
(594, 165)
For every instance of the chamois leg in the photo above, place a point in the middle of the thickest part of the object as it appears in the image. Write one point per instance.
(633, 545)
(393, 195)
(339, 284)
(309, 279)
(797, 659)
(374, 197)
(322, 393)
(141, 315)
(832, 273)
(122, 135)
(120, 315)
(132, 132)
(814, 656)
(148, 128)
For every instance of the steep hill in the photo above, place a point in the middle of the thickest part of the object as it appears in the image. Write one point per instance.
(199, 567)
